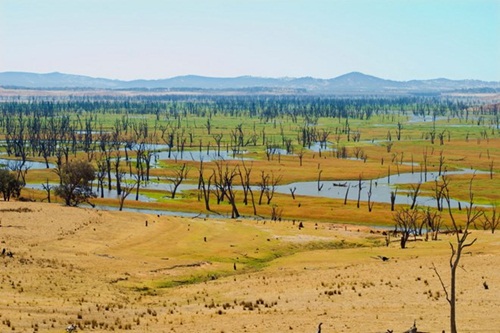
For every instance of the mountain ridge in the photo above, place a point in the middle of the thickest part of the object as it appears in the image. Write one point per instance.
(353, 82)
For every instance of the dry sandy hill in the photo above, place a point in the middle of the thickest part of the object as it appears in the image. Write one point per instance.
(103, 270)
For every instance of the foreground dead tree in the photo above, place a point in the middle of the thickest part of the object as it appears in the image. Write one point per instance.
(461, 233)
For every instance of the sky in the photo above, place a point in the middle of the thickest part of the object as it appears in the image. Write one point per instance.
(153, 39)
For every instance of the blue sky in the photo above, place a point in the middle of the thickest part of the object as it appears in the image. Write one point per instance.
(152, 39)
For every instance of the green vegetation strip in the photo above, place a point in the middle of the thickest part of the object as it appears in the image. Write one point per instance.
(253, 264)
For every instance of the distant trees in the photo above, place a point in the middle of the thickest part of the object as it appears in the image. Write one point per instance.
(75, 182)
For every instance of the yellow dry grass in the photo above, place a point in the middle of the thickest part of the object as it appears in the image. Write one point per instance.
(107, 271)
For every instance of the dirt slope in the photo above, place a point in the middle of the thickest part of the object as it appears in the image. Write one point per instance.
(103, 271)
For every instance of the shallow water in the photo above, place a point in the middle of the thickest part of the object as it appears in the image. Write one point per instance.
(381, 188)
(28, 164)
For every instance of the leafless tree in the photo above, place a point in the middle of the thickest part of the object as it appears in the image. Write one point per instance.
(347, 194)
(180, 174)
(106, 149)
(360, 187)
(462, 233)
(126, 189)
(370, 203)
(247, 188)
(414, 191)
(433, 221)
(320, 186)
(393, 198)
(119, 173)
(301, 156)
(245, 181)
(276, 213)
(101, 175)
(492, 222)
(228, 179)
(271, 188)
(439, 188)
(263, 184)
(441, 162)
(48, 188)
(406, 223)
(399, 130)
(218, 140)
(204, 185)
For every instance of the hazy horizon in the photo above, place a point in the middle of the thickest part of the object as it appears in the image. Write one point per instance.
(128, 40)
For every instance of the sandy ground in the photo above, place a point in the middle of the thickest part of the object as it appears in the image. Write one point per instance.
(97, 269)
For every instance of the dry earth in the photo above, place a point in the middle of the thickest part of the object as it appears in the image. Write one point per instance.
(102, 270)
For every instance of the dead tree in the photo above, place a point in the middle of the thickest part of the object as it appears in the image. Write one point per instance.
(247, 188)
(399, 130)
(230, 193)
(346, 194)
(441, 162)
(218, 139)
(271, 188)
(300, 155)
(461, 233)
(101, 175)
(263, 184)
(180, 174)
(393, 198)
(406, 223)
(415, 190)
(320, 186)
(492, 222)
(126, 189)
(360, 187)
(48, 188)
(119, 173)
(439, 192)
(433, 221)
(370, 203)
(204, 185)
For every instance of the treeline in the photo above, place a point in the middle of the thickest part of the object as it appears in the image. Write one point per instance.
(255, 106)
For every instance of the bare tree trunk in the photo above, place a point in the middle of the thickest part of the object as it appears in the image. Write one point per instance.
(461, 235)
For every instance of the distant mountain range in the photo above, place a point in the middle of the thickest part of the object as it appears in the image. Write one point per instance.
(351, 83)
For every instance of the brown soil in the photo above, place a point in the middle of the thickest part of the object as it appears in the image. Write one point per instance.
(100, 270)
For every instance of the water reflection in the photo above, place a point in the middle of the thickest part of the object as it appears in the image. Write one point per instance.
(380, 191)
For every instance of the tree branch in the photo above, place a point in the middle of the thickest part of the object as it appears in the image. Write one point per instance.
(442, 283)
